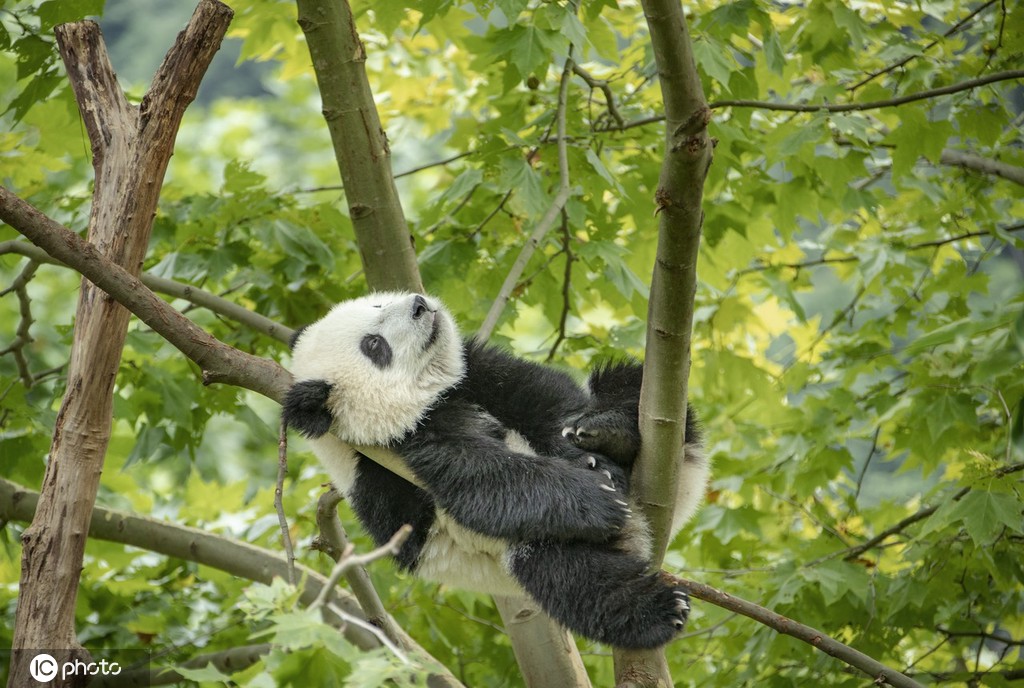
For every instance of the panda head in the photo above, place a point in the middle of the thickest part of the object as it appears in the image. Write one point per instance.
(372, 367)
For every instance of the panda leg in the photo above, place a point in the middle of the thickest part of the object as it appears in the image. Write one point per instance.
(600, 593)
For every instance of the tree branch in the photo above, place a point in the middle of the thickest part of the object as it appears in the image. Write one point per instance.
(880, 673)
(224, 554)
(162, 285)
(333, 541)
(348, 561)
(899, 63)
(875, 104)
(219, 362)
(970, 161)
(841, 107)
(241, 559)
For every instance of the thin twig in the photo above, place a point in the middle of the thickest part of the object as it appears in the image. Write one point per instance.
(348, 560)
(546, 222)
(282, 471)
(899, 63)
(566, 286)
(845, 107)
(377, 633)
(22, 336)
(490, 216)
(867, 462)
(1012, 74)
(853, 259)
(334, 542)
(602, 85)
(920, 515)
(194, 295)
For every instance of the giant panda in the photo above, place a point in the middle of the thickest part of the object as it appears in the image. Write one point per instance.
(525, 473)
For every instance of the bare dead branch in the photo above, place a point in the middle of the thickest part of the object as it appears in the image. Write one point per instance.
(131, 149)
(349, 560)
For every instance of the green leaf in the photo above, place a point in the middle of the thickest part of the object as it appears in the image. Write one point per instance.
(947, 411)
(774, 55)
(917, 137)
(715, 61)
(517, 174)
(54, 12)
(207, 673)
(985, 514)
(527, 47)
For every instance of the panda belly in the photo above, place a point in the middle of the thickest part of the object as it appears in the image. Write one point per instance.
(459, 557)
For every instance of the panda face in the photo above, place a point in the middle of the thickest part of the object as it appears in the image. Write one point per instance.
(386, 358)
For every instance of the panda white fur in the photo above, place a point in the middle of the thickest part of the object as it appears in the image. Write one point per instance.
(526, 474)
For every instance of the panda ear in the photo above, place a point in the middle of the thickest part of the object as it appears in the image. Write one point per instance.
(295, 337)
(305, 408)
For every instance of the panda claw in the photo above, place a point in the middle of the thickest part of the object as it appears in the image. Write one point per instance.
(621, 503)
(568, 432)
(607, 473)
(679, 625)
(607, 488)
(592, 462)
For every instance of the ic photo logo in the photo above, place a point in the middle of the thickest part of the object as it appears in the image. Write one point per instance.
(43, 668)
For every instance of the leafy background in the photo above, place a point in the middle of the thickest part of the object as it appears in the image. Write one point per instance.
(859, 334)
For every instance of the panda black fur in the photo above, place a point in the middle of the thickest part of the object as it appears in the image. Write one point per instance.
(526, 474)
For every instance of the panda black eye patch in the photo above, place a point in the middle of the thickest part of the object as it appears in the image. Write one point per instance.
(377, 349)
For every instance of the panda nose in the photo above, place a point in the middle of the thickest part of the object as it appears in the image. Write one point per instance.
(419, 307)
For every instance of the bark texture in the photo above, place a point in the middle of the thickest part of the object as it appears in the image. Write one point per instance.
(131, 147)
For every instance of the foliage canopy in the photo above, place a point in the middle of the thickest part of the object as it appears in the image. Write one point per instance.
(859, 337)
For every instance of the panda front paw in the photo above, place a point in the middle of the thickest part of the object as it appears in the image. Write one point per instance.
(610, 510)
(305, 408)
(613, 474)
(610, 432)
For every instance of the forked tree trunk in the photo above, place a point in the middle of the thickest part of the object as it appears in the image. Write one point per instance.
(131, 146)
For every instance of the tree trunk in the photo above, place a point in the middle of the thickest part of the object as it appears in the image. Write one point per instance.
(360, 145)
(131, 147)
(688, 152)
